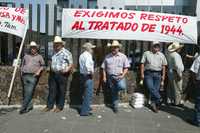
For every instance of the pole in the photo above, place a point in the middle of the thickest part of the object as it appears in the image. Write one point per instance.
(15, 69)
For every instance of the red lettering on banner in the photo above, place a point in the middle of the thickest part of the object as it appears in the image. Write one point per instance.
(105, 26)
(143, 16)
(120, 26)
(98, 25)
(127, 26)
(166, 18)
(134, 27)
(20, 19)
(4, 15)
(100, 14)
(148, 27)
(131, 15)
(78, 26)
(86, 14)
(77, 13)
(185, 20)
(91, 23)
(124, 15)
(114, 14)
(166, 29)
(20, 10)
(113, 24)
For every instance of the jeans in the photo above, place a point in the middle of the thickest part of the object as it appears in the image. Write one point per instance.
(115, 86)
(29, 83)
(57, 90)
(152, 81)
(86, 84)
(197, 105)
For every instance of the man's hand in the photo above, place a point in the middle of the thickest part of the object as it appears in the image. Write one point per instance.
(162, 86)
(104, 79)
(37, 74)
(120, 77)
(142, 77)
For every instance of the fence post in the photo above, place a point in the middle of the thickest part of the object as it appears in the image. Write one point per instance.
(38, 24)
(46, 34)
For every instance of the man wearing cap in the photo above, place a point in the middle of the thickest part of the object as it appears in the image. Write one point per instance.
(61, 65)
(175, 72)
(196, 77)
(32, 65)
(152, 70)
(86, 78)
(115, 67)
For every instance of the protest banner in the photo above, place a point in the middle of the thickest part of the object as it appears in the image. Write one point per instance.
(14, 21)
(128, 25)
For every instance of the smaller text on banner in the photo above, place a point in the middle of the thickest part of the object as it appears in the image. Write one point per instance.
(13, 20)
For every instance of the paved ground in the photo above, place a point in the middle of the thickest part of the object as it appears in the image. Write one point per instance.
(129, 120)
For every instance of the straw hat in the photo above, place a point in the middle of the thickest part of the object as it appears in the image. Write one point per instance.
(115, 43)
(88, 45)
(33, 44)
(174, 46)
(57, 40)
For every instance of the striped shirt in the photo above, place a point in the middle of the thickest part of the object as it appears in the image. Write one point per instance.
(61, 60)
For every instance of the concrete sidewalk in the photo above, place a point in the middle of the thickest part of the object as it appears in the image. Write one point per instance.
(128, 120)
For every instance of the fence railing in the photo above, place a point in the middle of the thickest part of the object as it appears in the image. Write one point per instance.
(8, 51)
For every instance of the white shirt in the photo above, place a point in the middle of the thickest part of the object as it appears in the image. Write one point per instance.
(175, 63)
(196, 67)
(86, 63)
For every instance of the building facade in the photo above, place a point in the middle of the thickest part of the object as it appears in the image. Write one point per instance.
(46, 19)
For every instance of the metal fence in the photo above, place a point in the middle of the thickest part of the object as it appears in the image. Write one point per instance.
(130, 47)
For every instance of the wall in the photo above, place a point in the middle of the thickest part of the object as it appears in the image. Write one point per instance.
(73, 95)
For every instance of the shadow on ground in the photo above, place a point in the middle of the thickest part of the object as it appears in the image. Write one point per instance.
(184, 113)
(6, 111)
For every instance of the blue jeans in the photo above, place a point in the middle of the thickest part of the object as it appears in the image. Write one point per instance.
(152, 81)
(115, 86)
(57, 90)
(86, 84)
(29, 82)
(197, 105)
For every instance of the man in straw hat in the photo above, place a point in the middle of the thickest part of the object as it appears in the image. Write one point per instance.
(32, 65)
(196, 77)
(175, 72)
(61, 65)
(86, 78)
(115, 67)
(152, 70)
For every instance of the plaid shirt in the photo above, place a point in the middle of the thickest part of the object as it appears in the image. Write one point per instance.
(61, 60)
